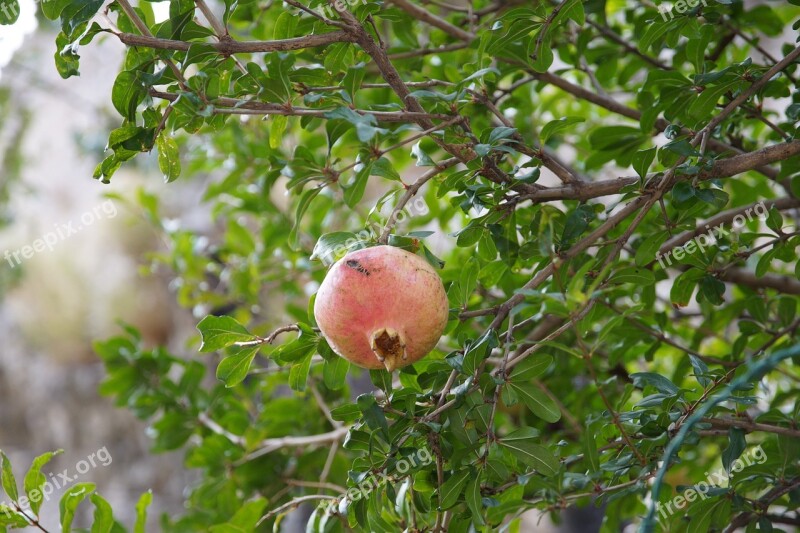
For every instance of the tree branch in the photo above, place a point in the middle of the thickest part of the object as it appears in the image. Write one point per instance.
(782, 284)
(423, 15)
(270, 445)
(228, 47)
(251, 107)
(750, 426)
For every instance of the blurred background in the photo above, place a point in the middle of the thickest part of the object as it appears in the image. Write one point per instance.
(55, 303)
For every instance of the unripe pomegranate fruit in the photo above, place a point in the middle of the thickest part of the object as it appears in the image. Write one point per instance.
(381, 307)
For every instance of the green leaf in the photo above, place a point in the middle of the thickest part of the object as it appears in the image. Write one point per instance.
(331, 247)
(372, 413)
(70, 501)
(297, 349)
(354, 193)
(277, 130)
(590, 450)
(383, 168)
(76, 13)
(302, 207)
(423, 159)
(635, 275)
(141, 512)
(537, 401)
(684, 286)
(246, 518)
(659, 382)
(298, 375)
(11, 518)
(521, 445)
(52, 8)
(7, 478)
(346, 413)
(473, 495)
(169, 161)
(220, 332)
(543, 56)
(765, 262)
(649, 247)
(479, 350)
(233, 369)
(700, 370)
(654, 32)
(365, 125)
(352, 80)
(285, 25)
(576, 224)
(35, 480)
(452, 488)
(736, 445)
(334, 372)
(381, 379)
(468, 279)
(66, 59)
(704, 105)
(532, 367)
(774, 220)
(127, 93)
(642, 161)
(554, 126)
(103, 515)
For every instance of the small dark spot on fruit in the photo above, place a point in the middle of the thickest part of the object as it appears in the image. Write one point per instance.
(355, 265)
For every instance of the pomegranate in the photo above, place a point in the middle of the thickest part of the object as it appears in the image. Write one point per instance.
(381, 307)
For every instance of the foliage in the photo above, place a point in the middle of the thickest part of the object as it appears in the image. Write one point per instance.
(563, 152)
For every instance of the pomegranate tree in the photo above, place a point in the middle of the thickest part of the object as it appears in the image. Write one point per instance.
(382, 307)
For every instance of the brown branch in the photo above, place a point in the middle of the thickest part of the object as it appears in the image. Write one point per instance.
(723, 168)
(270, 445)
(426, 16)
(234, 106)
(228, 47)
(316, 485)
(780, 283)
(750, 426)
(216, 25)
(428, 51)
(617, 39)
(634, 114)
(293, 505)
